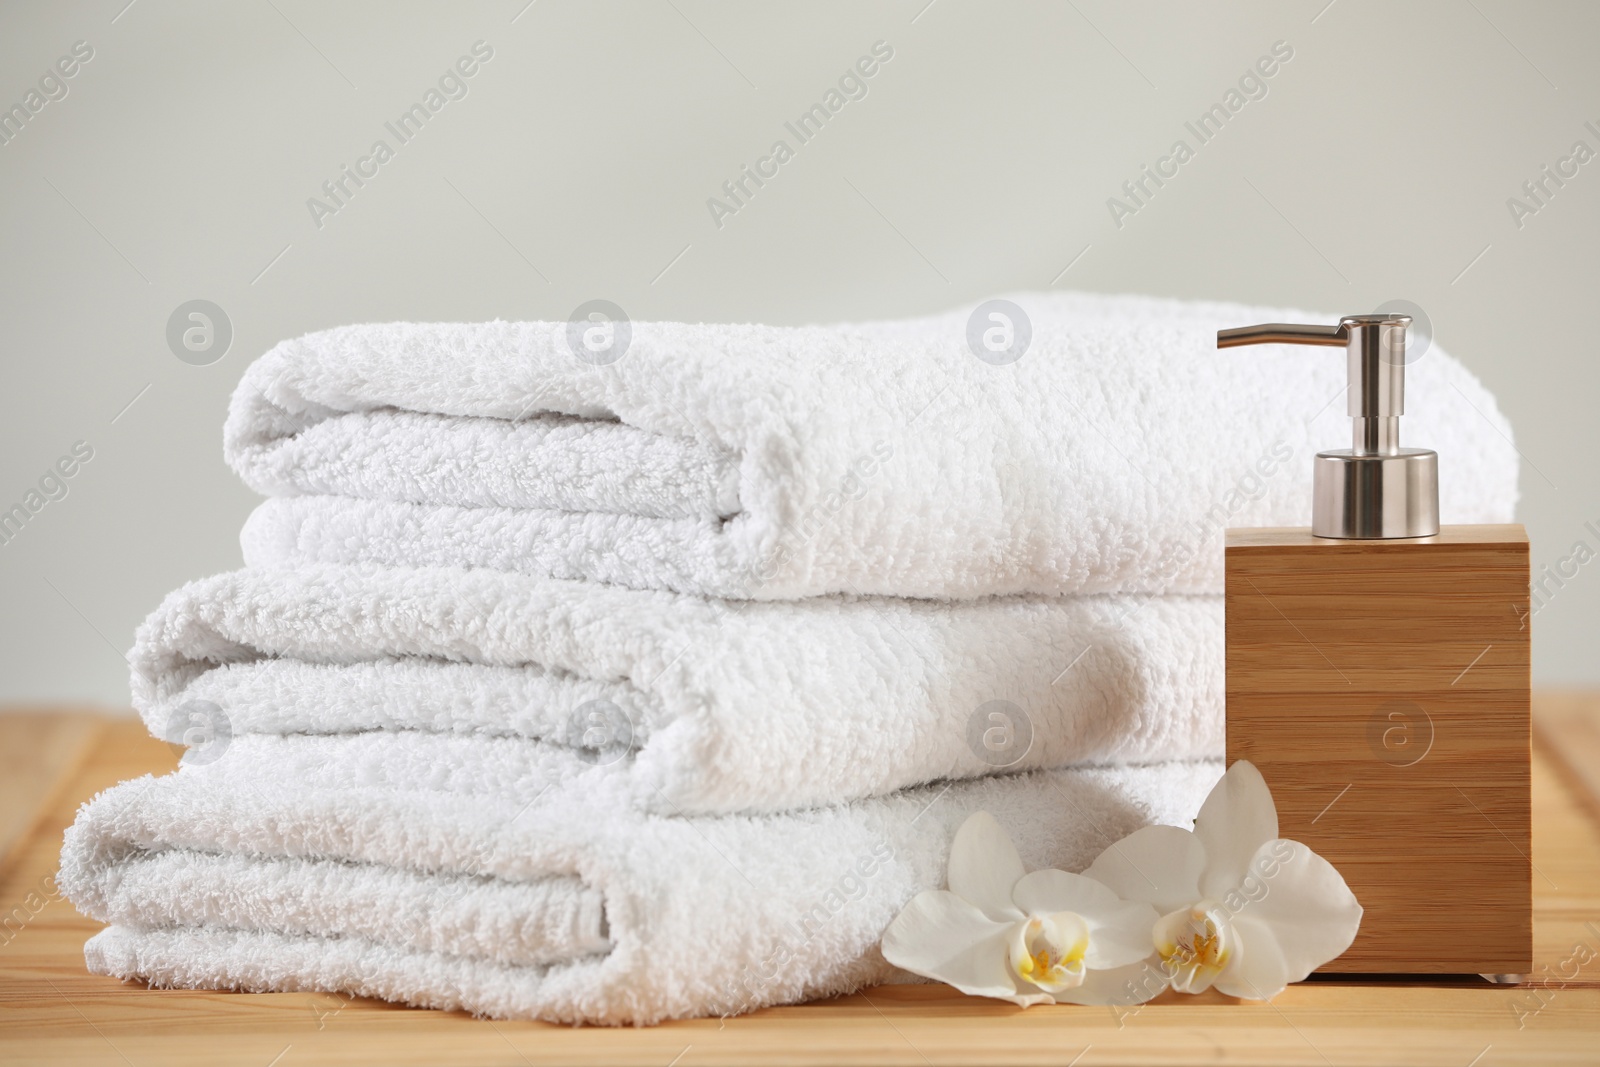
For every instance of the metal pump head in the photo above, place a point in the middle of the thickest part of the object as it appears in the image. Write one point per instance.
(1376, 488)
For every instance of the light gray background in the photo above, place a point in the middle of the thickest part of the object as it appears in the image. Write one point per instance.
(578, 166)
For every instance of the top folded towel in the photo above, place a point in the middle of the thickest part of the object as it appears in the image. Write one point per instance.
(877, 458)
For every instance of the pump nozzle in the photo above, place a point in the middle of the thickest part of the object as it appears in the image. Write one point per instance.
(1375, 488)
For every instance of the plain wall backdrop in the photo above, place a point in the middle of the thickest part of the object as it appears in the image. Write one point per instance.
(177, 162)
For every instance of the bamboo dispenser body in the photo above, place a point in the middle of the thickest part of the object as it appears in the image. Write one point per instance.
(1382, 688)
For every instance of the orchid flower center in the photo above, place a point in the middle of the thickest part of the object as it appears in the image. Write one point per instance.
(1196, 945)
(1048, 950)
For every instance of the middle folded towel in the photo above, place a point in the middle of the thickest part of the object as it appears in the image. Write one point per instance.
(704, 706)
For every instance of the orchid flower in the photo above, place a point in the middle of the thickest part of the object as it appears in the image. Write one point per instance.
(1242, 910)
(1037, 938)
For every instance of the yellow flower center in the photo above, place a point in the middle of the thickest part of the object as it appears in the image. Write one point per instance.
(1203, 950)
(1048, 951)
(1195, 945)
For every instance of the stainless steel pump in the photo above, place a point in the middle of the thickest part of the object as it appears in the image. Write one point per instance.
(1376, 488)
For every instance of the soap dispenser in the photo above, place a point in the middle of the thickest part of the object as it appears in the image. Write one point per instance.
(1378, 675)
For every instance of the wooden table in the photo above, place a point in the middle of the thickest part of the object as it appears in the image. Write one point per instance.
(53, 1011)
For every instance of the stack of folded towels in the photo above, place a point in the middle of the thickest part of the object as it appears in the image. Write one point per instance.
(616, 693)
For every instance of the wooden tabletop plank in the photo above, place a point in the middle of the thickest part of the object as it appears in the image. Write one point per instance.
(39, 753)
(53, 1011)
(1568, 727)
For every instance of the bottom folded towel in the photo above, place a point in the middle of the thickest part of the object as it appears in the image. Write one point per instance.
(449, 886)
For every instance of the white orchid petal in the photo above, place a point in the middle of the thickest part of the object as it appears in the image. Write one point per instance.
(1120, 934)
(941, 936)
(984, 866)
(1303, 902)
(1132, 984)
(1257, 969)
(1236, 820)
(1040, 892)
(1158, 865)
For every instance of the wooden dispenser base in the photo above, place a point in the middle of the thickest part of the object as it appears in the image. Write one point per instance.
(1382, 689)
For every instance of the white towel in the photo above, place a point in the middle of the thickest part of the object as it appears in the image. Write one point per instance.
(427, 872)
(700, 706)
(878, 458)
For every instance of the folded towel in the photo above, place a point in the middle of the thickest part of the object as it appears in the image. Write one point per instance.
(427, 870)
(697, 705)
(878, 458)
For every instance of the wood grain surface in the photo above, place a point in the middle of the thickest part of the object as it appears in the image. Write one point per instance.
(53, 1012)
(1382, 689)
(40, 750)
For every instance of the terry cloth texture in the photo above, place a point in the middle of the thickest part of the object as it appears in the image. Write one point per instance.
(425, 873)
(772, 463)
(700, 706)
